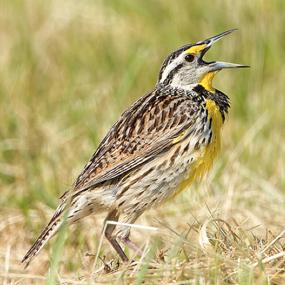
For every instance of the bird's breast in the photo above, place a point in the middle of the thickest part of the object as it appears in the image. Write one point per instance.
(207, 147)
(212, 147)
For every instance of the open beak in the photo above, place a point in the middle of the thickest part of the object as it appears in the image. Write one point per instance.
(217, 65)
(210, 41)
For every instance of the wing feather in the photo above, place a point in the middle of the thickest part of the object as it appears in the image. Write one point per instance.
(152, 125)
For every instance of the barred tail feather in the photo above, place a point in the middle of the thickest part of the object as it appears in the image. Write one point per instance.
(52, 227)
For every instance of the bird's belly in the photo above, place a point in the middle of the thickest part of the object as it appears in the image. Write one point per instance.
(204, 158)
(154, 185)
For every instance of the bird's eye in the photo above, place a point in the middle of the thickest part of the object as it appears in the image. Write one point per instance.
(189, 57)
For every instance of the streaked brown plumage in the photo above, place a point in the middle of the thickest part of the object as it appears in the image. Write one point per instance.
(157, 147)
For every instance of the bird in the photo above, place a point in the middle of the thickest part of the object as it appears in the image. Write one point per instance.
(161, 144)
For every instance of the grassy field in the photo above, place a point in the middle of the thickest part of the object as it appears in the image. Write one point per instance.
(67, 71)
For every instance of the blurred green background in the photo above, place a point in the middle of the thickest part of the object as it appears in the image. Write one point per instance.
(69, 68)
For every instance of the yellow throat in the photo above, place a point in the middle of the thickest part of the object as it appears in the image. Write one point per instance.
(207, 81)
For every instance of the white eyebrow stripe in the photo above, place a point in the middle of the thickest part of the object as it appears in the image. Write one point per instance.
(171, 66)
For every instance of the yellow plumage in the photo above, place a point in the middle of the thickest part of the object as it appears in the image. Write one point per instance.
(204, 156)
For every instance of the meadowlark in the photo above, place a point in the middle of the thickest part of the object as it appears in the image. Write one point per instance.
(159, 145)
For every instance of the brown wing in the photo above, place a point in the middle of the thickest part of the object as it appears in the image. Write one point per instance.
(149, 126)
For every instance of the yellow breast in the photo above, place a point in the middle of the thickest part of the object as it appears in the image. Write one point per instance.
(205, 155)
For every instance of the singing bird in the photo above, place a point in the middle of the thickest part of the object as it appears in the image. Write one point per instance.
(157, 148)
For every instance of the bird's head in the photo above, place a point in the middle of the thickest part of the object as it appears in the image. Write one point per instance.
(186, 67)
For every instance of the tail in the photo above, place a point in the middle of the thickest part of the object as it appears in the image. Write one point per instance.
(52, 227)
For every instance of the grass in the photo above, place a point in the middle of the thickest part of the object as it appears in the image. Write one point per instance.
(67, 71)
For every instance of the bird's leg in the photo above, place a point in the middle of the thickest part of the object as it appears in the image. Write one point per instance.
(125, 234)
(132, 245)
(113, 216)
